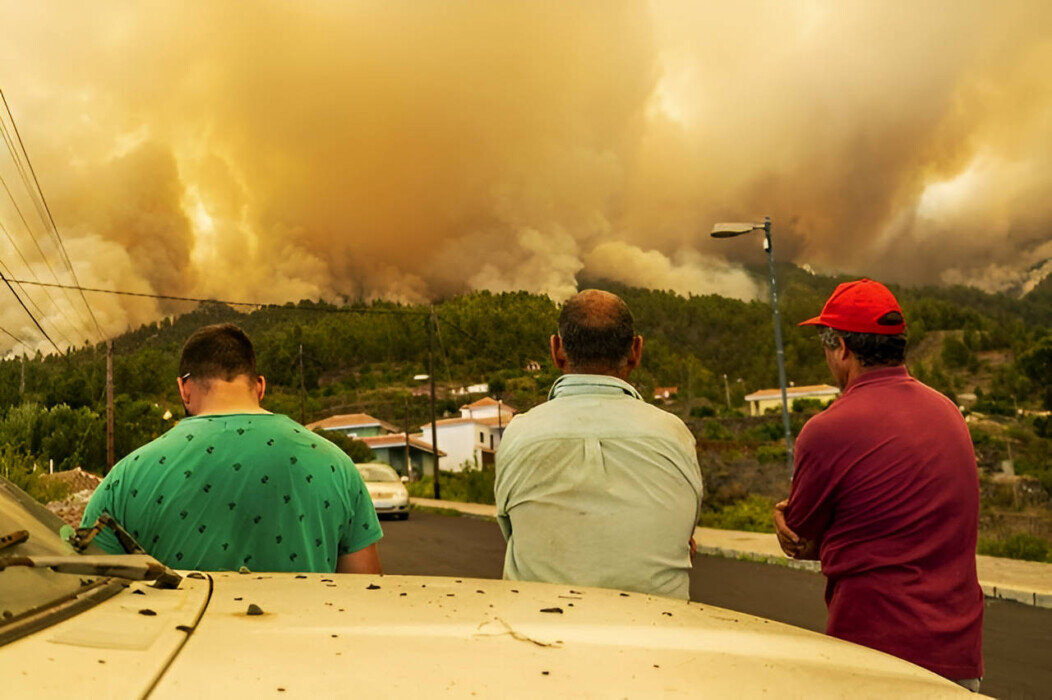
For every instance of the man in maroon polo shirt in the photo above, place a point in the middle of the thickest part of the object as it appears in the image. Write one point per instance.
(886, 494)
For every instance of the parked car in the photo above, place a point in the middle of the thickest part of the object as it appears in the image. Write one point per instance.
(91, 625)
(387, 489)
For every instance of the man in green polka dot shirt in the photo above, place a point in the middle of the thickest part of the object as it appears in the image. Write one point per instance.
(234, 485)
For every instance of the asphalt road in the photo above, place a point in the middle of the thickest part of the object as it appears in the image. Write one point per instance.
(1017, 642)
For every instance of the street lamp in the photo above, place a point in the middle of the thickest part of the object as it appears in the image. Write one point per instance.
(730, 230)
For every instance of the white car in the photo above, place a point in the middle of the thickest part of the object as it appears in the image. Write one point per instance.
(386, 488)
(91, 625)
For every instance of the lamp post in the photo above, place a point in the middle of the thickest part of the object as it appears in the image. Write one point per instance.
(730, 230)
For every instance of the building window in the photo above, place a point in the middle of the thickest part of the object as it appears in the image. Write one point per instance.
(491, 441)
(482, 438)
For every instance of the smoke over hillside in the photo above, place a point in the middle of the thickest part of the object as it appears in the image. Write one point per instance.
(414, 149)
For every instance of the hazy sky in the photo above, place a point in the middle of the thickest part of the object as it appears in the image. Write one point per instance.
(274, 150)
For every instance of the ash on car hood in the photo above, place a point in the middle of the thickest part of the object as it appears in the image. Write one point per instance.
(326, 635)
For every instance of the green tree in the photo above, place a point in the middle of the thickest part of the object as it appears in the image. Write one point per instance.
(955, 354)
(1036, 365)
(358, 451)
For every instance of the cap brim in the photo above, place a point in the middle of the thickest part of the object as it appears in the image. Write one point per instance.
(816, 321)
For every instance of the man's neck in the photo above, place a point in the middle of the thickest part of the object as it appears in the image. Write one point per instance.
(603, 372)
(223, 399)
(218, 409)
(856, 372)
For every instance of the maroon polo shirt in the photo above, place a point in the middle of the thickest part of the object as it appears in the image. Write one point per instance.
(886, 480)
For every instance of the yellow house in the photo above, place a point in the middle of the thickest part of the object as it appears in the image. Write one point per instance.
(760, 401)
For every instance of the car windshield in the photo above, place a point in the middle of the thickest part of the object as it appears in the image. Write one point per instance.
(377, 472)
(23, 589)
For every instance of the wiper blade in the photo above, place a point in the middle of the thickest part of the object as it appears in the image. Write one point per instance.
(135, 567)
(82, 536)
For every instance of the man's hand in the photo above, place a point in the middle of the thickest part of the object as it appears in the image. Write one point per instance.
(791, 543)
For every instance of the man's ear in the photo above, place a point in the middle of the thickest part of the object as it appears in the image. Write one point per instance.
(558, 354)
(635, 355)
(184, 390)
(843, 352)
(261, 386)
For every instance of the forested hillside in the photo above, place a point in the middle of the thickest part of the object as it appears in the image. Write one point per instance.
(991, 353)
(51, 405)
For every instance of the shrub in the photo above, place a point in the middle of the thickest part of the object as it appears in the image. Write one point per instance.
(21, 470)
(752, 513)
(468, 486)
(1021, 545)
(802, 405)
(702, 412)
(714, 430)
(770, 453)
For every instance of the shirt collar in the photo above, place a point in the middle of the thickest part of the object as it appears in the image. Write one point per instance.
(577, 384)
(875, 376)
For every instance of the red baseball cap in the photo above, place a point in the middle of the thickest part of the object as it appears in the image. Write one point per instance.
(862, 306)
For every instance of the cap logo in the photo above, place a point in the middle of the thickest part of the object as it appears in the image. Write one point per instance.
(891, 318)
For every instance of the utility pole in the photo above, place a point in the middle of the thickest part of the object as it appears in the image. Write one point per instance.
(432, 321)
(779, 347)
(303, 392)
(110, 446)
(22, 382)
(408, 458)
(727, 390)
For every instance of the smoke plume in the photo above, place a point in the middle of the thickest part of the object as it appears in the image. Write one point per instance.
(410, 150)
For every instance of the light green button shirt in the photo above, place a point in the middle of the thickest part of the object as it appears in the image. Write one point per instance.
(596, 487)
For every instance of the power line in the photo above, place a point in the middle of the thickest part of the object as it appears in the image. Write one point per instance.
(32, 302)
(29, 230)
(50, 218)
(29, 268)
(35, 321)
(204, 300)
(13, 337)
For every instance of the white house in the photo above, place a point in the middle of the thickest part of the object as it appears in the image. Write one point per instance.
(761, 401)
(473, 438)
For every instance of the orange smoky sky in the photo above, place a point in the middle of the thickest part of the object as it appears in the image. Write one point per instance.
(274, 151)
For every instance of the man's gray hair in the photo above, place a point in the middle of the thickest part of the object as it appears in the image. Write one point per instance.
(872, 349)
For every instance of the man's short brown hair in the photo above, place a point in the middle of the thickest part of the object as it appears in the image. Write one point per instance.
(220, 351)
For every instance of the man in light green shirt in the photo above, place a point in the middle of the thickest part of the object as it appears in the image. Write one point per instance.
(596, 487)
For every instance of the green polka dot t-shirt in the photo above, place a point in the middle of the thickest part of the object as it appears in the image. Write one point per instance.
(219, 492)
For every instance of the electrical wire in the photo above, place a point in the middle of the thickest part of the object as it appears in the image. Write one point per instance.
(35, 321)
(13, 337)
(32, 302)
(205, 300)
(50, 218)
(29, 268)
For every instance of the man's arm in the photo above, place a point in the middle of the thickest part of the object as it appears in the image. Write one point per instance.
(364, 561)
(102, 502)
(792, 544)
(801, 521)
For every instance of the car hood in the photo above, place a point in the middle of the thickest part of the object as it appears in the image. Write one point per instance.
(325, 635)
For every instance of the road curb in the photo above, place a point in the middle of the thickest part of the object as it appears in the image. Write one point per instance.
(993, 586)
